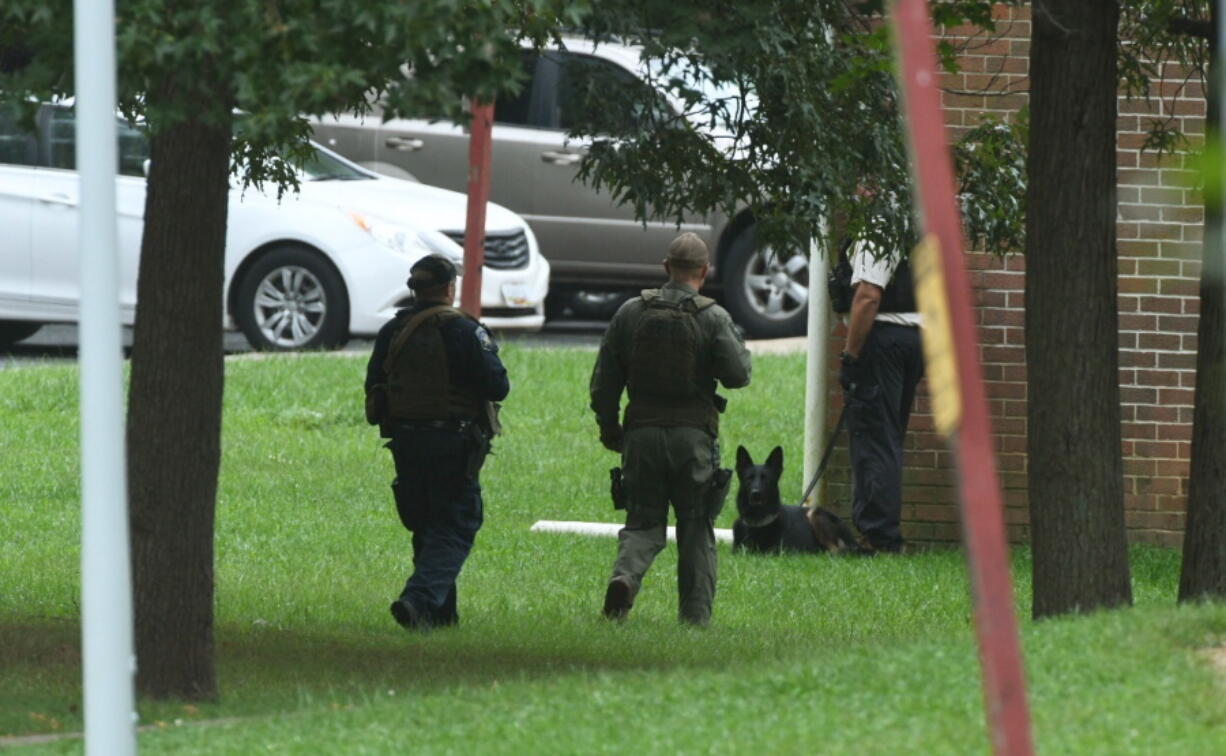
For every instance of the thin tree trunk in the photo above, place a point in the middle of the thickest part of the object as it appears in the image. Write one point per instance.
(174, 412)
(1203, 574)
(1075, 469)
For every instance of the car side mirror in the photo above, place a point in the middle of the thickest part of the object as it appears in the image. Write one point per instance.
(144, 167)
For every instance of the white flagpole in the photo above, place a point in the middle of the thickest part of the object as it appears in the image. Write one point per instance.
(108, 661)
(815, 370)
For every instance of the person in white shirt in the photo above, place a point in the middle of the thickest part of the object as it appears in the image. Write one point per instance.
(881, 363)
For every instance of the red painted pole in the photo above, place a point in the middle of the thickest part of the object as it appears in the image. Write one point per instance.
(478, 195)
(979, 489)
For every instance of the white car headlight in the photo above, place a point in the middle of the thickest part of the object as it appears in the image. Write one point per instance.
(392, 236)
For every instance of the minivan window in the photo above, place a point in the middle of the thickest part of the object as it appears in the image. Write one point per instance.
(516, 110)
(17, 147)
(583, 81)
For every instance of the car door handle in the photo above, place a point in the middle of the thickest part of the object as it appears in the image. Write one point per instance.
(561, 158)
(57, 198)
(404, 144)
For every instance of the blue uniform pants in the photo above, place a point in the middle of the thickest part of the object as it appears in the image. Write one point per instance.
(877, 415)
(446, 506)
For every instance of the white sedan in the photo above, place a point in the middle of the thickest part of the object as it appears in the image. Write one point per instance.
(306, 271)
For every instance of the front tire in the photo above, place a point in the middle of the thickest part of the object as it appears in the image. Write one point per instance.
(765, 290)
(12, 331)
(292, 298)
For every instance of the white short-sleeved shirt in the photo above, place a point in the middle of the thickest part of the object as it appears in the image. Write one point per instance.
(865, 267)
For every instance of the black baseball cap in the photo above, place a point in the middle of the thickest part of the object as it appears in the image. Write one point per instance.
(432, 272)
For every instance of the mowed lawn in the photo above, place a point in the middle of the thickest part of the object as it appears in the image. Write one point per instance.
(804, 654)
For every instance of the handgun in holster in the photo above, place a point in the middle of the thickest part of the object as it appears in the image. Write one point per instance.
(616, 488)
(478, 444)
(720, 483)
(410, 515)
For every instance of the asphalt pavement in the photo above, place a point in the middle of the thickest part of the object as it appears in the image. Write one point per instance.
(58, 343)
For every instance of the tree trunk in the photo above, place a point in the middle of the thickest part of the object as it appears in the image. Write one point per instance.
(1075, 469)
(1203, 574)
(174, 411)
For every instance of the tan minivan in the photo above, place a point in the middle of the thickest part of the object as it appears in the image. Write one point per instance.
(591, 243)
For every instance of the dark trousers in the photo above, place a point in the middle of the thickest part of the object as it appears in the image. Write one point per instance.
(444, 503)
(877, 415)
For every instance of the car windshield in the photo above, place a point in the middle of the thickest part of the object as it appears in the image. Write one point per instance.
(322, 166)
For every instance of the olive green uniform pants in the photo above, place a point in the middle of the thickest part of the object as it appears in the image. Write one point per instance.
(663, 465)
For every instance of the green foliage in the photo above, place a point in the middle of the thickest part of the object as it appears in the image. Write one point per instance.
(786, 117)
(279, 61)
(991, 163)
(1164, 39)
(806, 654)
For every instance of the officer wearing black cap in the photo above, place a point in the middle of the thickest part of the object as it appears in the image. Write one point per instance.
(432, 379)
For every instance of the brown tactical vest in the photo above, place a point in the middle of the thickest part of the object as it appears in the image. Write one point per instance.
(665, 358)
(419, 385)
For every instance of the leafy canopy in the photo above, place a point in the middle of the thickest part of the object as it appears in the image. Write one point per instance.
(279, 61)
(787, 108)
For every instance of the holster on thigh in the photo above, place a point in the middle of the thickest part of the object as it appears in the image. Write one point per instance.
(717, 492)
(410, 512)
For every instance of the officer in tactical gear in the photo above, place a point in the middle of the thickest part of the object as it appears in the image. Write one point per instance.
(432, 379)
(881, 363)
(667, 348)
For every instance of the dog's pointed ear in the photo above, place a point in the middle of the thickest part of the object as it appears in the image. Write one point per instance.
(742, 458)
(775, 460)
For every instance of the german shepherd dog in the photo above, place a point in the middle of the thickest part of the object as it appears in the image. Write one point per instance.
(766, 524)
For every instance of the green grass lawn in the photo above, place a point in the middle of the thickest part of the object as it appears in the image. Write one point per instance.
(804, 655)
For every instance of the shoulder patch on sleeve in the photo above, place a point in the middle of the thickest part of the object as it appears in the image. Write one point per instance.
(487, 341)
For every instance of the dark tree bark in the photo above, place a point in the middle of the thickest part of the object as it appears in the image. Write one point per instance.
(1075, 469)
(174, 410)
(1203, 574)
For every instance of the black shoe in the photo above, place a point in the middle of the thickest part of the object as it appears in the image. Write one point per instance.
(618, 598)
(407, 615)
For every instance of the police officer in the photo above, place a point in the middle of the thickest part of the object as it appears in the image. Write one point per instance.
(881, 363)
(432, 377)
(668, 348)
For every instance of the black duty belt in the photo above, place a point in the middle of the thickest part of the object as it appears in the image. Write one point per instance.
(458, 426)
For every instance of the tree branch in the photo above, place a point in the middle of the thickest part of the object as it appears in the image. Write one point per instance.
(1192, 27)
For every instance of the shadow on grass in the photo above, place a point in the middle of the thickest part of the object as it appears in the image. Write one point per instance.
(266, 670)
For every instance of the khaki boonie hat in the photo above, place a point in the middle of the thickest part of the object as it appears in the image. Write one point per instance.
(688, 251)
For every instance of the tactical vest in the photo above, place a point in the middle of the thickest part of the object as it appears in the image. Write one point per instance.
(665, 359)
(899, 294)
(419, 385)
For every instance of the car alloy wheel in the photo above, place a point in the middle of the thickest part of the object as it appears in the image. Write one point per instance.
(766, 291)
(290, 306)
(776, 288)
(291, 297)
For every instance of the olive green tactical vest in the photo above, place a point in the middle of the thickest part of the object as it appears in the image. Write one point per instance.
(419, 384)
(665, 357)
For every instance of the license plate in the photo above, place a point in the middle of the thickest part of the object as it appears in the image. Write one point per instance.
(516, 295)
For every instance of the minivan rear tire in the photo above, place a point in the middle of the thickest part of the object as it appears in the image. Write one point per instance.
(753, 276)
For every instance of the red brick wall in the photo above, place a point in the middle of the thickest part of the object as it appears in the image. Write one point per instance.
(1159, 230)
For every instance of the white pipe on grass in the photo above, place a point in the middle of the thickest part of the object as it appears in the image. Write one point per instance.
(607, 529)
(108, 661)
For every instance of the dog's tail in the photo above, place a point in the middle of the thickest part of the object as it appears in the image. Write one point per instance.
(832, 533)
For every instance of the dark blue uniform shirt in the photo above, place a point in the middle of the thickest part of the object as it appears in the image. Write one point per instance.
(472, 356)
